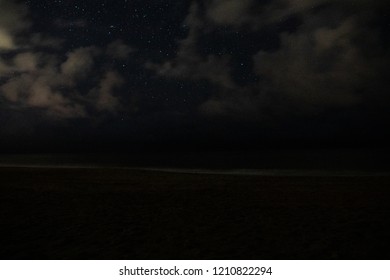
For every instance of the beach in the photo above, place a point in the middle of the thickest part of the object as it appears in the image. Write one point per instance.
(118, 213)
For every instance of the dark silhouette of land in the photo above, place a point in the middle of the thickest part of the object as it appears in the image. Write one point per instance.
(107, 213)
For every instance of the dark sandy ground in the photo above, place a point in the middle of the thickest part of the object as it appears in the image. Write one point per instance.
(128, 214)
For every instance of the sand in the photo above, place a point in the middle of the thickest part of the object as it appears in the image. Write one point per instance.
(107, 213)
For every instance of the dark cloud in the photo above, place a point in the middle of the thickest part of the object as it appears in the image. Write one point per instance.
(189, 64)
(256, 14)
(119, 50)
(79, 62)
(195, 66)
(13, 21)
(230, 12)
(322, 64)
(56, 83)
(106, 99)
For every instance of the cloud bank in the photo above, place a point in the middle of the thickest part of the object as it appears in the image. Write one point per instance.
(331, 59)
(61, 85)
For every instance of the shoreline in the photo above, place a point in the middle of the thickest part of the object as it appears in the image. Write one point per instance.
(208, 171)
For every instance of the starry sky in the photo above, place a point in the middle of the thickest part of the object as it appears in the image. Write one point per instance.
(192, 74)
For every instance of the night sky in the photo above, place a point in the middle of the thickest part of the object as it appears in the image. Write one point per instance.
(191, 74)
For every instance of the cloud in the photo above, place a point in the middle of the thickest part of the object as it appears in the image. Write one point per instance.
(47, 82)
(79, 62)
(332, 59)
(4, 68)
(51, 82)
(14, 24)
(257, 14)
(119, 50)
(229, 12)
(239, 103)
(13, 20)
(38, 40)
(189, 64)
(38, 89)
(6, 40)
(320, 66)
(324, 64)
(106, 99)
(41, 95)
(27, 61)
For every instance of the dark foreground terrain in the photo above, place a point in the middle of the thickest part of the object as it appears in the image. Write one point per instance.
(127, 214)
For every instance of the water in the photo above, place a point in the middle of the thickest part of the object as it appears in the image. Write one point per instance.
(266, 163)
